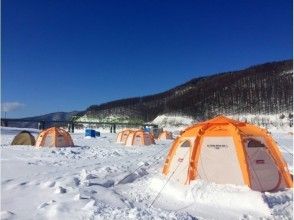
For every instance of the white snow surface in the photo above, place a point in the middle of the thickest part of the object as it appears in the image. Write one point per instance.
(269, 121)
(173, 122)
(100, 179)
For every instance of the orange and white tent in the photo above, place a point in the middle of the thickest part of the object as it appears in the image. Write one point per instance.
(139, 137)
(122, 136)
(226, 151)
(165, 135)
(54, 137)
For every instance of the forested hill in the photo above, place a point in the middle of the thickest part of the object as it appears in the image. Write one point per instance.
(265, 88)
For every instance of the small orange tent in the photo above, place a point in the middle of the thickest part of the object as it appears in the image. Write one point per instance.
(54, 137)
(165, 135)
(139, 137)
(122, 136)
(226, 151)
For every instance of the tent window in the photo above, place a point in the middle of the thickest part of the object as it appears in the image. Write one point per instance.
(186, 144)
(255, 143)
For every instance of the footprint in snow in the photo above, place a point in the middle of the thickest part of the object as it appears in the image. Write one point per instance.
(133, 176)
(46, 204)
(85, 175)
(246, 217)
(6, 215)
(115, 153)
(85, 194)
(71, 182)
(97, 182)
(74, 152)
(7, 181)
(141, 163)
(60, 190)
(23, 183)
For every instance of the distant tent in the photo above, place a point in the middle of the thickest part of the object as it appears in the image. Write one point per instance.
(24, 138)
(226, 151)
(165, 135)
(122, 136)
(139, 137)
(54, 137)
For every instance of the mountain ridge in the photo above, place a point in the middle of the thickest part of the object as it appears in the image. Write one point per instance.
(262, 88)
(263, 80)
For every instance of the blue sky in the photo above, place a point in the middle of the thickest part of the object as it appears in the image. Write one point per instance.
(64, 55)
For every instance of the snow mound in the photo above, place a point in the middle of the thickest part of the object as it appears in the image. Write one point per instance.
(200, 197)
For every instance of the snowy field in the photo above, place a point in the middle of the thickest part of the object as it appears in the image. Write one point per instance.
(99, 179)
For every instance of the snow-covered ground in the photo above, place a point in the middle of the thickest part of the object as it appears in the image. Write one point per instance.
(99, 179)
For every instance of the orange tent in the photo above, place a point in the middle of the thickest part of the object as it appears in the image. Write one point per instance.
(226, 151)
(122, 136)
(54, 137)
(139, 137)
(165, 135)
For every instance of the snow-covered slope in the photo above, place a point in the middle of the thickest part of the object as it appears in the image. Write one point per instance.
(173, 122)
(99, 179)
(283, 120)
(110, 118)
